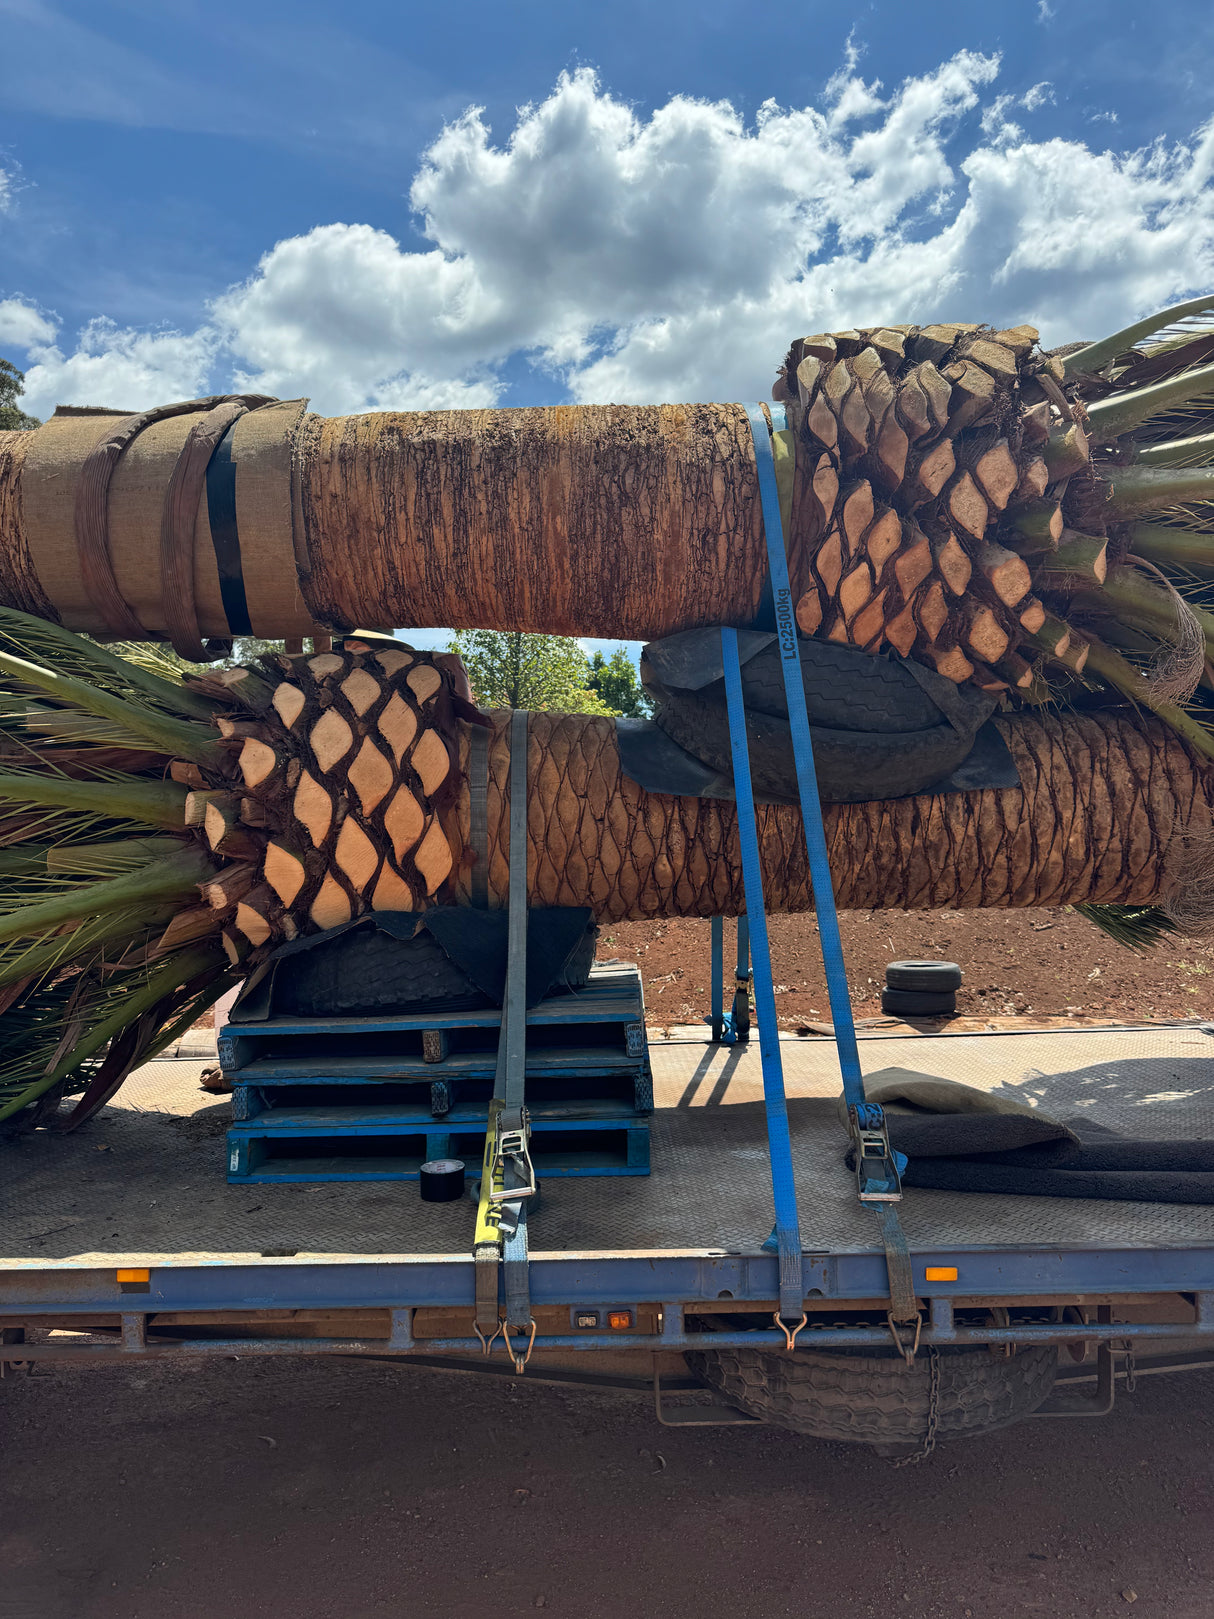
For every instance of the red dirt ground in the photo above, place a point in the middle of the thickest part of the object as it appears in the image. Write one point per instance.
(1039, 962)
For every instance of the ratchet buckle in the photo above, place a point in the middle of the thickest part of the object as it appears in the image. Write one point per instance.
(878, 1170)
(511, 1148)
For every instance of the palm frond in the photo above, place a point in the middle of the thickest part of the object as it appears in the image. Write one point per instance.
(58, 1034)
(1194, 451)
(175, 875)
(136, 673)
(147, 803)
(118, 931)
(1187, 393)
(21, 717)
(111, 858)
(171, 735)
(1095, 357)
(1137, 927)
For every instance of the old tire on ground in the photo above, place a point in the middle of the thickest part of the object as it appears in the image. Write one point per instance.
(875, 1398)
(918, 1002)
(933, 976)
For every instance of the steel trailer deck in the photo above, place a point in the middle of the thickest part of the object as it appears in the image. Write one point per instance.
(143, 1189)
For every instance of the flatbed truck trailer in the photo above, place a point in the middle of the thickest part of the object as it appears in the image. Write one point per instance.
(124, 1241)
(752, 1260)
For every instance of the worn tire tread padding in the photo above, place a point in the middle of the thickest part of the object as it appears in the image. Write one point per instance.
(877, 1399)
(849, 690)
(364, 971)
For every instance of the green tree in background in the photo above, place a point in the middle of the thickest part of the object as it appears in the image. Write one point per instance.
(528, 671)
(617, 683)
(247, 647)
(12, 386)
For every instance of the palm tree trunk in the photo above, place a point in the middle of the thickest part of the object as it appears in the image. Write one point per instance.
(574, 520)
(629, 521)
(1107, 804)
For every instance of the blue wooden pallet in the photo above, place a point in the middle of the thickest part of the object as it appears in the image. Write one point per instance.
(589, 1094)
(347, 1144)
(597, 1033)
(588, 1043)
(608, 1013)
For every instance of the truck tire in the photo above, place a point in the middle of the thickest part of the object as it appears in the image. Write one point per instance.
(918, 1002)
(874, 1398)
(928, 975)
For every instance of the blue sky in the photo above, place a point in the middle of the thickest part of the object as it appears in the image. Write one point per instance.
(155, 153)
(404, 206)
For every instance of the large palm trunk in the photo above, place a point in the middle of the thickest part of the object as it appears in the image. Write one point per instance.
(630, 521)
(948, 492)
(1103, 815)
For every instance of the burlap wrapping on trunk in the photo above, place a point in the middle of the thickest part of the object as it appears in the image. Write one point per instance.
(261, 447)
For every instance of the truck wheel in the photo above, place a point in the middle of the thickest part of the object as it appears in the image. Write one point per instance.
(933, 976)
(875, 1398)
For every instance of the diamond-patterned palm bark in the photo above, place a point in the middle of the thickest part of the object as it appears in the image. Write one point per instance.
(1105, 803)
(331, 806)
(935, 457)
(354, 797)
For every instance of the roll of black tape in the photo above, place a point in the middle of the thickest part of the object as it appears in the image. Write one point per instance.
(442, 1180)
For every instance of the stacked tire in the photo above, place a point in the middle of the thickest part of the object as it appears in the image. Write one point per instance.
(917, 989)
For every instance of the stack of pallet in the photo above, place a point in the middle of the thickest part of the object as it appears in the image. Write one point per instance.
(373, 1098)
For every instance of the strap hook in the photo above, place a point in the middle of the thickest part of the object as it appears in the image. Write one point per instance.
(900, 1343)
(519, 1357)
(487, 1343)
(790, 1333)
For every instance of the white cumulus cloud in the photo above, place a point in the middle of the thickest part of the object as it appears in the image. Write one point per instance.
(671, 255)
(24, 324)
(344, 314)
(116, 366)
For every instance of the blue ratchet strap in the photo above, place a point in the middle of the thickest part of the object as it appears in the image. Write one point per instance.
(779, 1142)
(877, 1166)
(803, 756)
(717, 1021)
